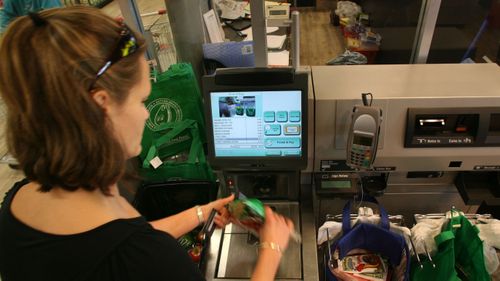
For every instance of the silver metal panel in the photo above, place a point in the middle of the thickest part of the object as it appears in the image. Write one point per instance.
(414, 80)
(242, 258)
(405, 200)
(418, 32)
(411, 159)
(241, 255)
(231, 258)
(398, 88)
(188, 30)
(310, 120)
(295, 39)
(151, 53)
(259, 32)
(426, 33)
(132, 17)
(308, 231)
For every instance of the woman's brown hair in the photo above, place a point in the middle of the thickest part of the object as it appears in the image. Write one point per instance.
(55, 129)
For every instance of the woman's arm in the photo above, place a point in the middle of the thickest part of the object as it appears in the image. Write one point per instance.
(178, 224)
(274, 237)
(183, 222)
(267, 265)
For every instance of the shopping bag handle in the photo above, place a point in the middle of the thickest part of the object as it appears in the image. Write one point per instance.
(346, 214)
(195, 151)
(178, 69)
(384, 224)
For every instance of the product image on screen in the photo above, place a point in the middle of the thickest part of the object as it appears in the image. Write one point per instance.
(257, 123)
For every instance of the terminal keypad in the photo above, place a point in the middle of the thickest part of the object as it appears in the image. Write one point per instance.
(361, 155)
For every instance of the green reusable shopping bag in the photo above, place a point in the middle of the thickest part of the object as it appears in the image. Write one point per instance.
(460, 253)
(176, 155)
(175, 96)
(469, 254)
(444, 261)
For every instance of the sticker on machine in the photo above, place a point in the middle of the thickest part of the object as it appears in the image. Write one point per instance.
(384, 169)
(487, 167)
(247, 49)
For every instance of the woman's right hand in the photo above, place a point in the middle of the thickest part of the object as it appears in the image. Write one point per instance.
(276, 229)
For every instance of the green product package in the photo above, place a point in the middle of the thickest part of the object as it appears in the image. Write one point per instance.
(177, 153)
(248, 213)
(175, 96)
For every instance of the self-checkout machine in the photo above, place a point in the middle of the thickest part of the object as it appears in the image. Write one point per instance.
(257, 130)
(438, 145)
(439, 140)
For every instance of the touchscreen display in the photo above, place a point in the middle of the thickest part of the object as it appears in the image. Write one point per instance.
(257, 123)
(336, 184)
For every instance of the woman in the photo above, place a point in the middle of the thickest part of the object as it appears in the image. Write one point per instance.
(74, 82)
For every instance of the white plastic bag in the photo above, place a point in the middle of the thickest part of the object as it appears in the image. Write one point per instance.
(347, 9)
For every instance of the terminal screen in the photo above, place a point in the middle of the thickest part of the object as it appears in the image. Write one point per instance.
(362, 140)
(336, 184)
(257, 123)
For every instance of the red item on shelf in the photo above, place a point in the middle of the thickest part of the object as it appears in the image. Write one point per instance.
(195, 253)
(370, 53)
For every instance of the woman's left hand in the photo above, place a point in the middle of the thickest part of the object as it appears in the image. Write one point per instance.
(222, 217)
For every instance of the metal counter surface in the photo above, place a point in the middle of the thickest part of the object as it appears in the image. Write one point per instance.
(308, 260)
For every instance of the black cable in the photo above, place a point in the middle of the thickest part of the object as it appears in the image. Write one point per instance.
(365, 99)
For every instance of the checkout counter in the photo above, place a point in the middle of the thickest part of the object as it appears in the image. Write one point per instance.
(439, 134)
(438, 147)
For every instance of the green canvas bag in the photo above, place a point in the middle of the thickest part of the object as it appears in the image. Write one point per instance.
(175, 96)
(444, 261)
(176, 155)
(469, 252)
(460, 253)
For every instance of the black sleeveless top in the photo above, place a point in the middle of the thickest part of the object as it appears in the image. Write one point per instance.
(120, 250)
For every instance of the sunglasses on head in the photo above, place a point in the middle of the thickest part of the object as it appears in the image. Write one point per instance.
(126, 46)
